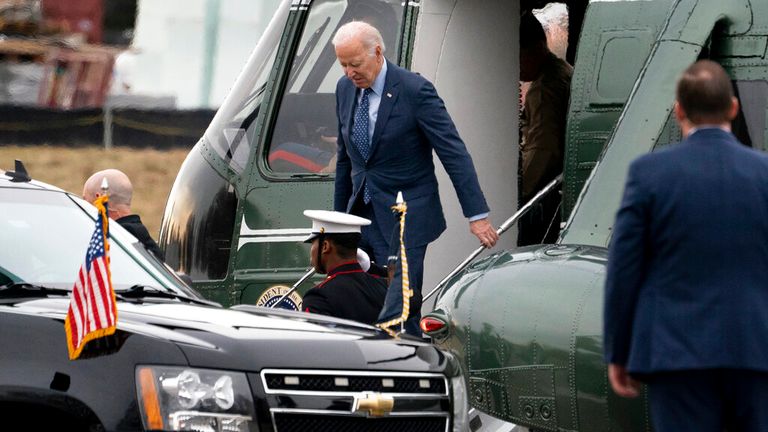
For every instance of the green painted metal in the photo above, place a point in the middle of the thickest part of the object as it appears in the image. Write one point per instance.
(269, 200)
(688, 28)
(616, 40)
(408, 33)
(528, 327)
(259, 266)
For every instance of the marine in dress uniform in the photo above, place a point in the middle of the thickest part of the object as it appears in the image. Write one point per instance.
(349, 291)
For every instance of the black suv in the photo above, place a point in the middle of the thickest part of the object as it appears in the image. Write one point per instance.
(179, 362)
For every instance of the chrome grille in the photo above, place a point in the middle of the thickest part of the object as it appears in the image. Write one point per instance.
(291, 422)
(321, 400)
(356, 383)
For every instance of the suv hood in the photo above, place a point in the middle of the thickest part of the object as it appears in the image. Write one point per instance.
(247, 336)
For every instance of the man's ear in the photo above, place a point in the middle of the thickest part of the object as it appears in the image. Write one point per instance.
(734, 111)
(325, 247)
(680, 115)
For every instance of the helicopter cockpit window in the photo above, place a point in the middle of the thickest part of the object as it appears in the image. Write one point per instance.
(304, 138)
(230, 133)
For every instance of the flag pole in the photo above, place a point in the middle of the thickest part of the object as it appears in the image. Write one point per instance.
(92, 312)
(401, 208)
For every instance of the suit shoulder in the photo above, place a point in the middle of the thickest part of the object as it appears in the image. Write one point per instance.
(647, 159)
(653, 166)
(754, 157)
(660, 155)
(342, 84)
(410, 79)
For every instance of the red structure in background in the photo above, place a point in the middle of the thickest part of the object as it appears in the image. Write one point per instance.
(76, 16)
(76, 79)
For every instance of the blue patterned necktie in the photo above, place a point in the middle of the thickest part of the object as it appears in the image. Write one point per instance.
(360, 135)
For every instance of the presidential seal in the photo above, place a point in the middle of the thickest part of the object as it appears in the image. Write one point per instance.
(270, 296)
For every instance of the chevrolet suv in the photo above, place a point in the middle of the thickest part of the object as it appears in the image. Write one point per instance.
(179, 362)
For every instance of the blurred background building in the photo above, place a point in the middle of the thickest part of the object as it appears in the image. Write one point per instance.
(121, 71)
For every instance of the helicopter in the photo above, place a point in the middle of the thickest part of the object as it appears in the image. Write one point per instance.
(525, 322)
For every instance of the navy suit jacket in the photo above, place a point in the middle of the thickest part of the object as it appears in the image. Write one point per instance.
(687, 277)
(412, 121)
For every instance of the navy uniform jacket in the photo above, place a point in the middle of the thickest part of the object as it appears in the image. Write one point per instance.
(687, 282)
(411, 122)
(348, 292)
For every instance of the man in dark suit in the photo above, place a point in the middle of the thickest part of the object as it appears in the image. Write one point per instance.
(686, 301)
(390, 121)
(349, 291)
(120, 196)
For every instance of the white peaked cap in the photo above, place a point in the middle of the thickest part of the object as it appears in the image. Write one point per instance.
(363, 259)
(333, 222)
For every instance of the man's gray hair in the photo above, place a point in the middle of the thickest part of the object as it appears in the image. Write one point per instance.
(362, 31)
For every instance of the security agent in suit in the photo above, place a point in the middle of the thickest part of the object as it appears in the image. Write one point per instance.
(349, 291)
(120, 195)
(686, 300)
(390, 121)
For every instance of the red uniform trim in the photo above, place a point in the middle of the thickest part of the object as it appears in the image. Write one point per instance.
(336, 271)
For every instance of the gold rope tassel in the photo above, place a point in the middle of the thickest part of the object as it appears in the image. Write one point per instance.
(401, 208)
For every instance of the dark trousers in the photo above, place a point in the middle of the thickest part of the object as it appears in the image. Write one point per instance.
(707, 400)
(380, 249)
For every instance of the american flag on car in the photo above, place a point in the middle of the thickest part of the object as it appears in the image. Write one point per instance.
(92, 310)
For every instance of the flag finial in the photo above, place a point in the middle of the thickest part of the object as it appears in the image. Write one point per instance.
(104, 186)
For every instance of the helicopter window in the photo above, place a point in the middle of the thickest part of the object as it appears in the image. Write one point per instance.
(304, 138)
(749, 125)
(230, 131)
(614, 62)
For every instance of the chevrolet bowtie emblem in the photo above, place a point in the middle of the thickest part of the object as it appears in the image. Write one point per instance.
(374, 404)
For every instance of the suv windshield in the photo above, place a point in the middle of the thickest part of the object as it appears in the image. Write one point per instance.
(44, 237)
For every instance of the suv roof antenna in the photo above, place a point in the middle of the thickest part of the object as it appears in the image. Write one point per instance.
(19, 175)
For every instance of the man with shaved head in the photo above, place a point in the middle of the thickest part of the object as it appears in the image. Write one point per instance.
(120, 195)
(390, 122)
(686, 294)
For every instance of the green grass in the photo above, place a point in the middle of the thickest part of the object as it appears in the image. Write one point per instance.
(152, 172)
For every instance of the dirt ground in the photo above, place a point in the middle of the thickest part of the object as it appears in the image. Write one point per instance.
(152, 172)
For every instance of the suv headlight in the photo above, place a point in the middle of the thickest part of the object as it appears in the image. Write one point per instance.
(460, 404)
(181, 399)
